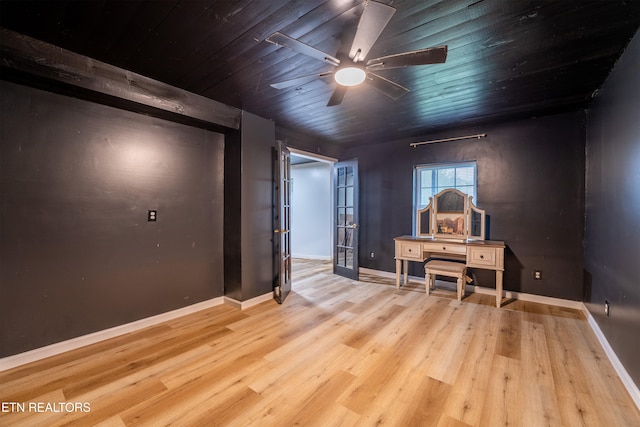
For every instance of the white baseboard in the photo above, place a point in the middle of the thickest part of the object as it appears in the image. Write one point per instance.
(248, 303)
(541, 299)
(628, 382)
(84, 340)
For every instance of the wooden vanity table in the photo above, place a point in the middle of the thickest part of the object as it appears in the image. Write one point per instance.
(485, 254)
(451, 227)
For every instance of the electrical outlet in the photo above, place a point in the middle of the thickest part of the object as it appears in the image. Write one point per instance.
(152, 215)
(606, 308)
(372, 254)
(537, 274)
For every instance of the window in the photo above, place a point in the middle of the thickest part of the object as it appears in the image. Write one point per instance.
(429, 180)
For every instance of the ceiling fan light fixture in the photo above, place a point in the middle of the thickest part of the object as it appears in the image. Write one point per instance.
(350, 76)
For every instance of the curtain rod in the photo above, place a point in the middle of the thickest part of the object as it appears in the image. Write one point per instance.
(479, 135)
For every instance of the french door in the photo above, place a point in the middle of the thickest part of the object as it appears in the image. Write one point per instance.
(345, 257)
(282, 223)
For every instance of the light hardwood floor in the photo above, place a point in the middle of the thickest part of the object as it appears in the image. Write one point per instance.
(337, 353)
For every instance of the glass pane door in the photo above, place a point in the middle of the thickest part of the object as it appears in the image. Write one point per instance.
(345, 260)
(282, 224)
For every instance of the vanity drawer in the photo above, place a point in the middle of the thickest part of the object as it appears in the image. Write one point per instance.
(482, 256)
(410, 250)
(445, 248)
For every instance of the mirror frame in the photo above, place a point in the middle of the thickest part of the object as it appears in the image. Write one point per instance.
(432, 214)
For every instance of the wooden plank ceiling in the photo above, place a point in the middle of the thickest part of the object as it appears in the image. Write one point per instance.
(506, 58)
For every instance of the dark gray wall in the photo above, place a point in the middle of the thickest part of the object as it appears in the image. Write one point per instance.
(258, 140)
(77, 254)
(249, 209)
(232, 218)
(612, 244)
(530, 182)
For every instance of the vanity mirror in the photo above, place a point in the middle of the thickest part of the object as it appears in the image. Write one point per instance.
(451, 214)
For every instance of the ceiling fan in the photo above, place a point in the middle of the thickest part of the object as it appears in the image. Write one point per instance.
(352, 71)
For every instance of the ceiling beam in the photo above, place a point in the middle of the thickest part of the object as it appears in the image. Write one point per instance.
(36, 58)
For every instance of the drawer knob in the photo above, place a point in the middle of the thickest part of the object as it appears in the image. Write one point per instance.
(444, 248)
(409, 250)
(481, 256)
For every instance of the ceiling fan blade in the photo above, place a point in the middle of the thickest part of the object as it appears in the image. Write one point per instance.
(373, 20)
(431, 55)
(284, 40)
(301, 80)
(389, 88)
(337, 96)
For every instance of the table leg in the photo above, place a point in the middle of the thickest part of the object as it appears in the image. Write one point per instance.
(405, 266)
(498, 288)
(398, 269)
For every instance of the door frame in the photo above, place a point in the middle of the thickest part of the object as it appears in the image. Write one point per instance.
(332, 161)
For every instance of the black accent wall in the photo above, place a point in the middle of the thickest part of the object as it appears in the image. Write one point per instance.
(530, 182)
(612, 244)
(248, 224)
(77, 254)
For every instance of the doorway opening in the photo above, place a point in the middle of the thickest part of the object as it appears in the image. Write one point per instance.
(311, 211)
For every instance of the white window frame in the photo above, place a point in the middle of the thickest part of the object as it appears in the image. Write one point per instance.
(435, 187)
